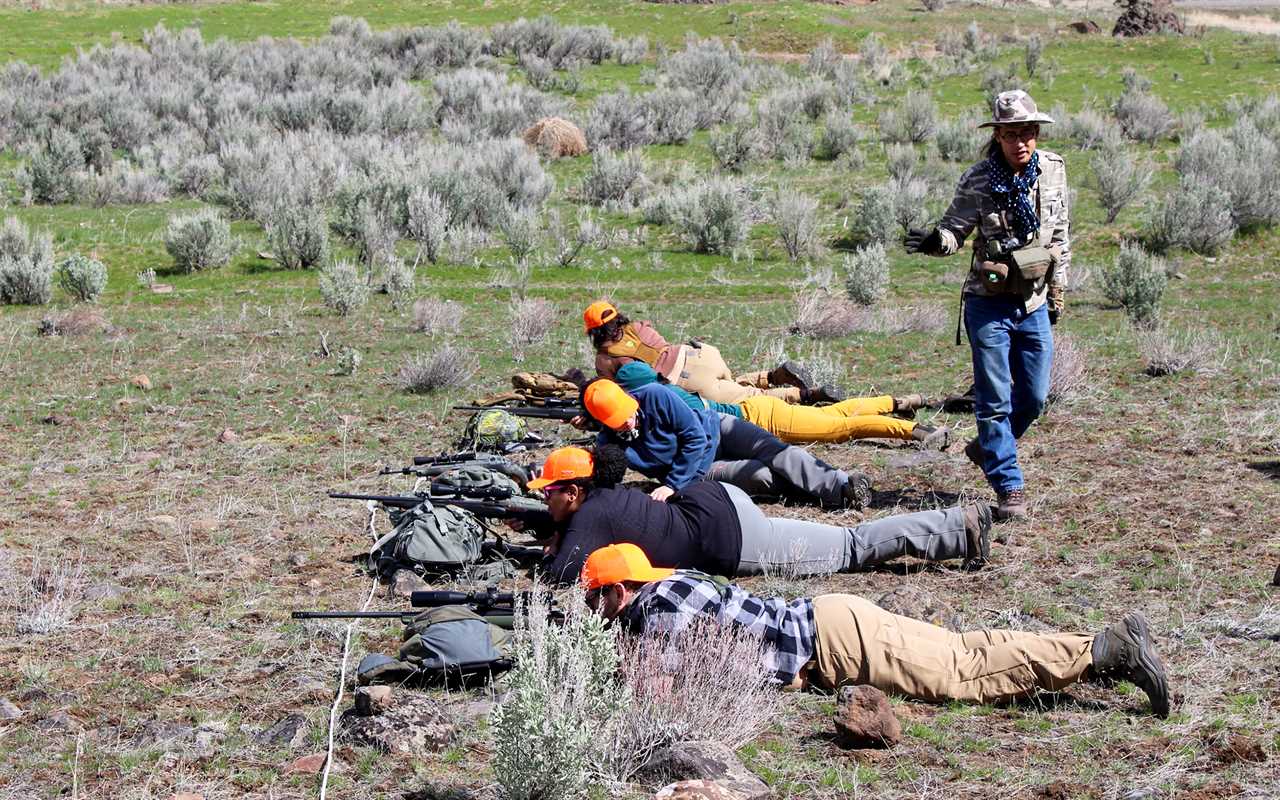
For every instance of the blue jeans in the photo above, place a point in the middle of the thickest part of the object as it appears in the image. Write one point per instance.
(1012, 352)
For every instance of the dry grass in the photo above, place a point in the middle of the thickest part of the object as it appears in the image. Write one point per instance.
(1068, 373)
(435, 317)
(46, 598)
(532, 319)
(445, 368)
(1167, 351)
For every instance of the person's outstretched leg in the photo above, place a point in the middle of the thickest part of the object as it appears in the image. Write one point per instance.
(801, 424)
(740, 439)
(1030, 358)
(859, 642)
(931, 535)
(793, 547)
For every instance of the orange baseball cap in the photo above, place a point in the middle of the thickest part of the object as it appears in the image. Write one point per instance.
(564, 464)
(598, 313)
(608, 403)
(617, 563)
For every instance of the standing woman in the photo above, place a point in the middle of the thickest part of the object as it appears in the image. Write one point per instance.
(1016, 201)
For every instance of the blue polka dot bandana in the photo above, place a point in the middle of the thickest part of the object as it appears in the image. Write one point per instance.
(1012, 193)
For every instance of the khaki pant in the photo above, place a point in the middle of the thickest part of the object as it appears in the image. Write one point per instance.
(859, 642)
(705, 373)
(855, 418)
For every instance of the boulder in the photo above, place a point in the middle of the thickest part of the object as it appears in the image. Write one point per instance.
(914, 602)
(1142, 17)
(372, 700)
(414, 727)
(697, 790)
(706, 762)
(864, 718)
(289, 732)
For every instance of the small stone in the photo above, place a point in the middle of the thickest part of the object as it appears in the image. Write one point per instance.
(60, 721)
(306, 765)
(141, 382)
(163, 525)
(8, 710)
(709, 762)
(161, 288)
(290, 732)
(372, 700)
(204, 525)
(864, 719)
(1145, 793)
(187, 796)
(104, 591)
(165, 735)
(406, 582)
(413, 727)
(228, 436)
(315, 690)
(697, 790)
(1161, 547)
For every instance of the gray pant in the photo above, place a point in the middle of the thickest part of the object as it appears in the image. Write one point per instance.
(811, 548)
(760, 463)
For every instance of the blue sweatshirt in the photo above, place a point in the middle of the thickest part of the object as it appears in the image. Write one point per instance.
(637, 374)
(676, 445)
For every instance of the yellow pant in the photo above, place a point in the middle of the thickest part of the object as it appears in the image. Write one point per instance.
(704, 373)
(856, 418)
(860, 642)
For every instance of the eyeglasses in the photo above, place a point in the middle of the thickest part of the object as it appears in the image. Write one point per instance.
(553, 488)
(1019, 134)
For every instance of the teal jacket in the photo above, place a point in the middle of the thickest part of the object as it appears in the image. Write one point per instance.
(637, 373)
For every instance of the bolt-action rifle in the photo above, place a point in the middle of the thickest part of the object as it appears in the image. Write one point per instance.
(431, 466)
(484, 503)
(496, 607)
(549, 408)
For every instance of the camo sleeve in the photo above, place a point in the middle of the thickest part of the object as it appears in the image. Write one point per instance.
(965, 211)
(1056, 214)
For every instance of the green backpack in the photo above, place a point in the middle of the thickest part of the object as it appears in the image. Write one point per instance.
(448, 644)
(493, 431)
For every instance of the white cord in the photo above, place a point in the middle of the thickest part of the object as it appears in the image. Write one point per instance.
(342, 674)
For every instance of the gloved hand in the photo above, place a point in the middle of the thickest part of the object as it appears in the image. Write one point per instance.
(1057, 303)
(921, 241)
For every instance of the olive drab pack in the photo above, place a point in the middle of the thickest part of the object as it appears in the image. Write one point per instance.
(429, 539)
(493, 431)
(477, 483)
(448, 643)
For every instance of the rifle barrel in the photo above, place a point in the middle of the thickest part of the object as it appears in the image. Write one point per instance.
(350, 614)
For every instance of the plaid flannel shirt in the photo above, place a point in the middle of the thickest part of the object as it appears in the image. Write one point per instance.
(672, 604)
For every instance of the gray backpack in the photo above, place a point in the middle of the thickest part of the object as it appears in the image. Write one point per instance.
(447, 644)
(430, 540)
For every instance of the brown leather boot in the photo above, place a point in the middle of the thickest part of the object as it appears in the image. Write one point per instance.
(974, 452)
(977, 530)
(1127, 651)
(931, 438)
(1011, 505)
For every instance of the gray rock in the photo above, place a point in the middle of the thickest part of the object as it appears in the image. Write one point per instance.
(1145, 793)
(414, 726)
(60, 721)
(697, 790)
(104, 591)
(914, 602)
(297, 560)
(311, 689)
(8, 710)
(406, 582)
(864, 718)
(706, 762)
(289, 732)
(165, 735)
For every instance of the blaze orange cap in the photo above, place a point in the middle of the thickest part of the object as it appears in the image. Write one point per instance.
(564, 464)
(608, 403)
(617, 563)
(598, 313)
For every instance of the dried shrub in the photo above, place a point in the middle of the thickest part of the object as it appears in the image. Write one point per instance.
(1136, 280)
(711, 215)
(615, 180)
(620, 120)
(960, 139)
(532, 319)
(556, 138)
(433, 316)
(716, 73)
(521, 232)
(1032, 54)
(47, 598)
(819, 315)
(734, 147)
(398, 281)
(901, 160)
(674, 114)
(708, 682)
(796, 216)
(1119, 178)
(428, 222)
(549, 733)
(1194, 215)
(79, 321)
(569, 238)
(866, 273)
(26, 265)
(1086, 129)
(1142, 116)
(1068, 372)
(447, 367)
(916, 120)
(905, 319)
(1166, 351)
(877, 216)
(82, 277)
(298, 235)
(343, 287)
(839, 136)
(199, 241)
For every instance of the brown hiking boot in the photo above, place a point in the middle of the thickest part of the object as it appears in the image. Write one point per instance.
(791, 373)
(974, 452)
(826, 393)
(1011, 505)
(977, 531)
(907, 406)
(931, 438)
(857, 491)
(1127, 651)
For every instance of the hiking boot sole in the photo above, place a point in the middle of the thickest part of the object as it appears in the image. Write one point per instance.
(1150, 664)
(938, 440)
(974, 563)
(791, 373)
(857, 492)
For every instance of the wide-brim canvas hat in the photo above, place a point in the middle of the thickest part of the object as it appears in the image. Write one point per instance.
(1015, 108)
